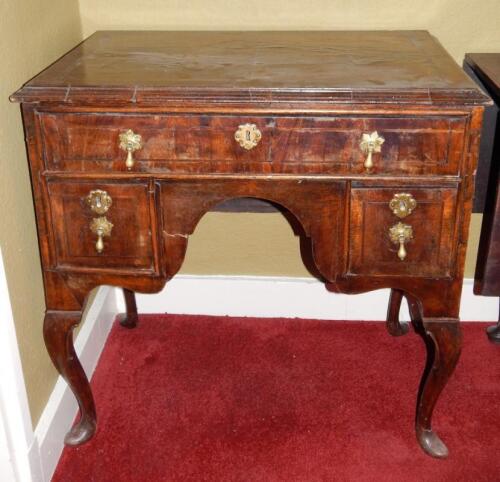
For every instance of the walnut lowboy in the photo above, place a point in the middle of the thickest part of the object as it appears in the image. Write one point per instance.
(381, 184)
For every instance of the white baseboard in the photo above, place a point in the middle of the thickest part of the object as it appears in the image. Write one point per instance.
(62, 408)
(288, 298)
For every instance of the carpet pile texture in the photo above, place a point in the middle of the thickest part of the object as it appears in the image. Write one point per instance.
(199, 398)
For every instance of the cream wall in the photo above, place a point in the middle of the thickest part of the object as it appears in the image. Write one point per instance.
(33, 33)
(461, 25)
(264, 244)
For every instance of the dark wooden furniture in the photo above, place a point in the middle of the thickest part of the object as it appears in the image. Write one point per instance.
(368, 139)
(486, 70)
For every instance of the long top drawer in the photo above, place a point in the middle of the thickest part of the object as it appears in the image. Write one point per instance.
(424, 145)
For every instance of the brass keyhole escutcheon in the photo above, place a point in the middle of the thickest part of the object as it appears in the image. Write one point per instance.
(248, 136)
(369, 144)
(402, 204)
(99, 201)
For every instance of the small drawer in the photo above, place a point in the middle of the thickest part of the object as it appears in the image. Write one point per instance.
(102, 225)
(402, 231)
(423, 145)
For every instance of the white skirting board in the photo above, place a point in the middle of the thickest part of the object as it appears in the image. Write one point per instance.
(289, 298)
(216, 295)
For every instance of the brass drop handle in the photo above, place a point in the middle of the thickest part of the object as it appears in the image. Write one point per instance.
(401, 234)
(102, 228)
(130, 142)
(248, 136)
(369, 144)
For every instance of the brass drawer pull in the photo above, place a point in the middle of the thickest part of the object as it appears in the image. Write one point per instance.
(402, 204)
(99, 201)
(248, 136)
(401, 234)
(130, 142)
(102, 228)
(369, 144)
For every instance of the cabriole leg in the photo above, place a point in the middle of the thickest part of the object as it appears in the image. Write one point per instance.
(443, 339)
(394, 326)
(58, 335)
(129, 319)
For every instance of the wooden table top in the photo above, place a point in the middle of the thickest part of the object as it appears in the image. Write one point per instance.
(377, 66)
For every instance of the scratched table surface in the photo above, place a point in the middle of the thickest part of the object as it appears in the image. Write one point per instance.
(339, 60)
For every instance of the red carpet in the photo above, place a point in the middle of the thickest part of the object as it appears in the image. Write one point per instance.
(196, 398)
